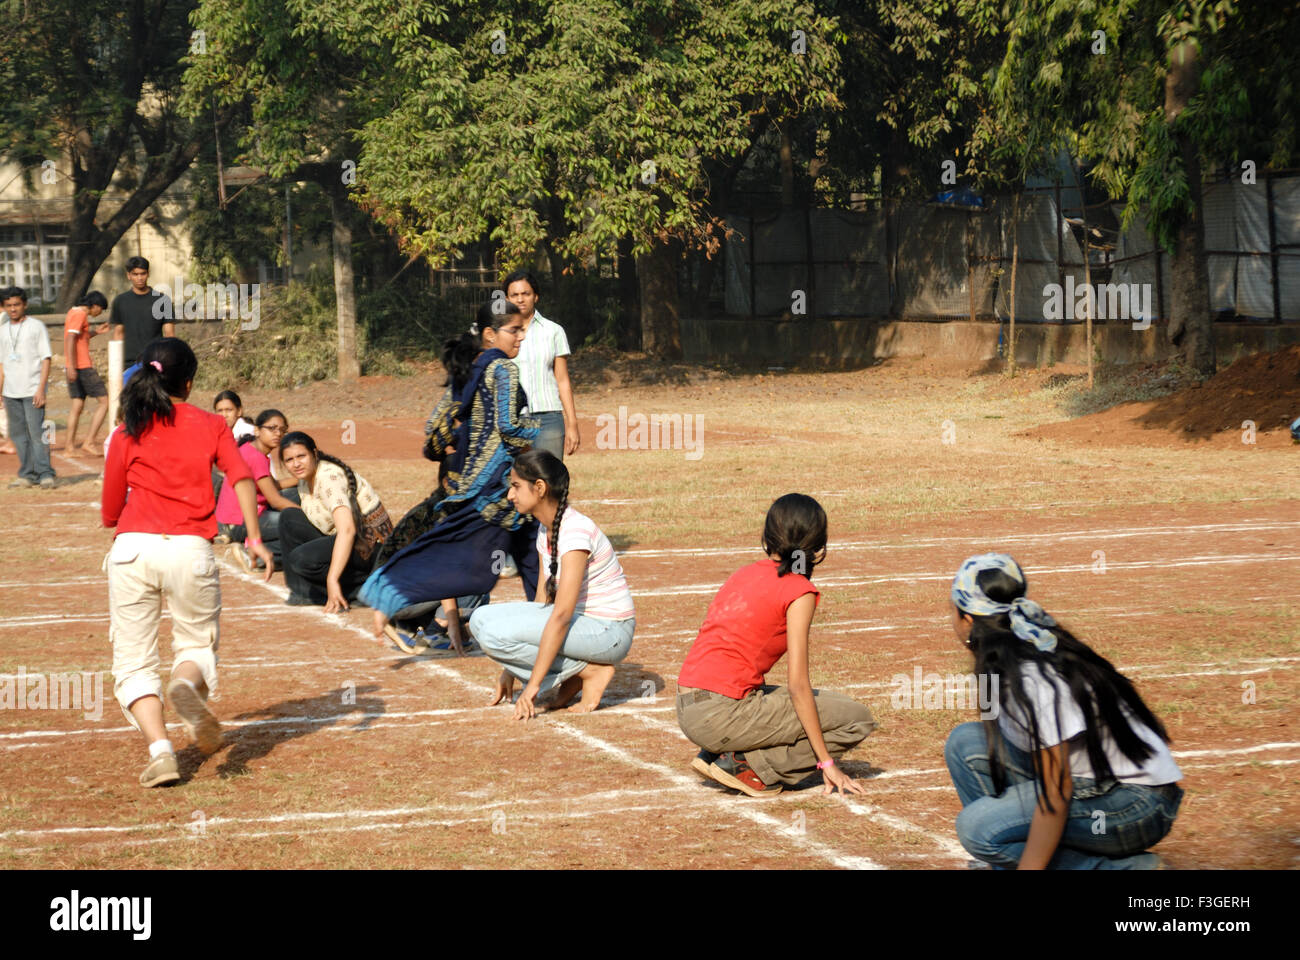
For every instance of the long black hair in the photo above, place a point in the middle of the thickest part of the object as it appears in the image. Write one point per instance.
(531, 466)
(167, 366)
(1103, 694)
(459, 353)
(270, 413)
(795, 530)
(298, 438)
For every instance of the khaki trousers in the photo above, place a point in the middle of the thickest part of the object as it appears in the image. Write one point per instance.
(143, 568)
(764, 727)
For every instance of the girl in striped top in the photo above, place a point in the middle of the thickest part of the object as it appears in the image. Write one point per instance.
(571, 642)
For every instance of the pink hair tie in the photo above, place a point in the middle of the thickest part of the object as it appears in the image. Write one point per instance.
(156, 365)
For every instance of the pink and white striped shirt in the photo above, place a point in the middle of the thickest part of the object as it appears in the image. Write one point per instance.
(604, 592)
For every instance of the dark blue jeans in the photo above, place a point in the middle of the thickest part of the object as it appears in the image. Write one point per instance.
(1109, 826)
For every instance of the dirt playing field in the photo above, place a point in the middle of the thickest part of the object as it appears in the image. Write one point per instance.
(1177, 558)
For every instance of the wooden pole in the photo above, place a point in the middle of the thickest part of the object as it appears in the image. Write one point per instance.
(1015, 256)
(116, 351)
(1087, 282)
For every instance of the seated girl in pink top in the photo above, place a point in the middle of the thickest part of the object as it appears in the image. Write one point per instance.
(257, 451)
(571, 642)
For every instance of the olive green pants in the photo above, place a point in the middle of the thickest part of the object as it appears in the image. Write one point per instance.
(765, 728)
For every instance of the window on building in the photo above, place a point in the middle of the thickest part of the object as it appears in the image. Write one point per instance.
(34, 258)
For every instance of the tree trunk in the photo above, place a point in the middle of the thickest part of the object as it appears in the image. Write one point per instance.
(344, 289)
(629, 299)
(660, 327)
(787, 170)
(1191, 324)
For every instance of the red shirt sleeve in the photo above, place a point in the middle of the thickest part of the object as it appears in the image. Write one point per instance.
(113, 498)
(229, 460)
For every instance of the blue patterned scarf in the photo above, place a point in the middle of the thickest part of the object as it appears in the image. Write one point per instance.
(1028, 620)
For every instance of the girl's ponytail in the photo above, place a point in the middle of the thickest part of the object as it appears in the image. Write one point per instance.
(167, 368)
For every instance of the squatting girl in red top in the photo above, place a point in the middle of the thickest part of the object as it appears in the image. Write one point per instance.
(757, 738)
(158, 494)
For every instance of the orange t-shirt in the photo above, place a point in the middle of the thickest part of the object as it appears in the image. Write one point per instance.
(78, 322)
(744, 631)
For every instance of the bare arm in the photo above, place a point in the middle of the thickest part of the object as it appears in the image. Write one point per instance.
(573, 567)
(272, 493)
(798, 618)
(169, 329)
(345, 534)
(38, 400)
(572, 437)
(1046, 828)
(247, 495)
(70, 355)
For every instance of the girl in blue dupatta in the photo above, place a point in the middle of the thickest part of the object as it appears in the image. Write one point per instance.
(477, 528)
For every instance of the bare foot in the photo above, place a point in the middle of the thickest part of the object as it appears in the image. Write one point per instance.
(565, 693)
(380, 621)
(595, 678)
(92, 451)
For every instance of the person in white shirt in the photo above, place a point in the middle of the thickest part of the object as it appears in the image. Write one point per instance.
(1070, 770)
(25, 348)
(571, 642)
(543, 363)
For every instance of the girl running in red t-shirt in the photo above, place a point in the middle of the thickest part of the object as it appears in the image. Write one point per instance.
(756, 737)
(163, 548)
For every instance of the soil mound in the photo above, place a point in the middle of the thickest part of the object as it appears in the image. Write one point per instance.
(1264, 389)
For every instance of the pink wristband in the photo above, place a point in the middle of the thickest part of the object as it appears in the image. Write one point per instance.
(252, 542)
(823, 764)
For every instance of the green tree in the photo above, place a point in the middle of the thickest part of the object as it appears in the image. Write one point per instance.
(1164, 92)
(304, 97)
(573, 124)
(96, 81)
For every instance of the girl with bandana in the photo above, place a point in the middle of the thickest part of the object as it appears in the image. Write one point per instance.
(1069, 769)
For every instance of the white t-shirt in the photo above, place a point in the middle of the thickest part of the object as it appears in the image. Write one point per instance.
(243, 428)
(604, 591)
(23, 346)
(543, 342)
(1157, 769)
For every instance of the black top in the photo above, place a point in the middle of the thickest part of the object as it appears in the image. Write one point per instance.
(142, 316)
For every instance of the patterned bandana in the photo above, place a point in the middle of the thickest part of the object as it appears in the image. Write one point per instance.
(1028, 619)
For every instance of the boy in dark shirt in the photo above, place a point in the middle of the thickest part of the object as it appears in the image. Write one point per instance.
(142, 314)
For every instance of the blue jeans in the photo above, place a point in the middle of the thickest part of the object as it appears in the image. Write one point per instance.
(1110, 824)
(26, 429)
(550, 436)
(510, 633)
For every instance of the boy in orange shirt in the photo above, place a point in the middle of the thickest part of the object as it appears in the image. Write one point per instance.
(83, 379)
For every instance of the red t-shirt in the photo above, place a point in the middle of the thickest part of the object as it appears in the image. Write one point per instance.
(744, 631)
(168, 471)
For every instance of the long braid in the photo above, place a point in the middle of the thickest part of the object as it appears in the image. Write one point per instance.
(352, 485)
(555, 544)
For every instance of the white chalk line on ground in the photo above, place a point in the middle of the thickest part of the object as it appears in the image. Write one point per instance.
(1104, 533)
(320, 816)
(821, 850)
(846, 581)
(741, 807)
(1278, 663)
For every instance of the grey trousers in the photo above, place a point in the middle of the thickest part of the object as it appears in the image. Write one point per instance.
(26, 430)
(764, 727)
